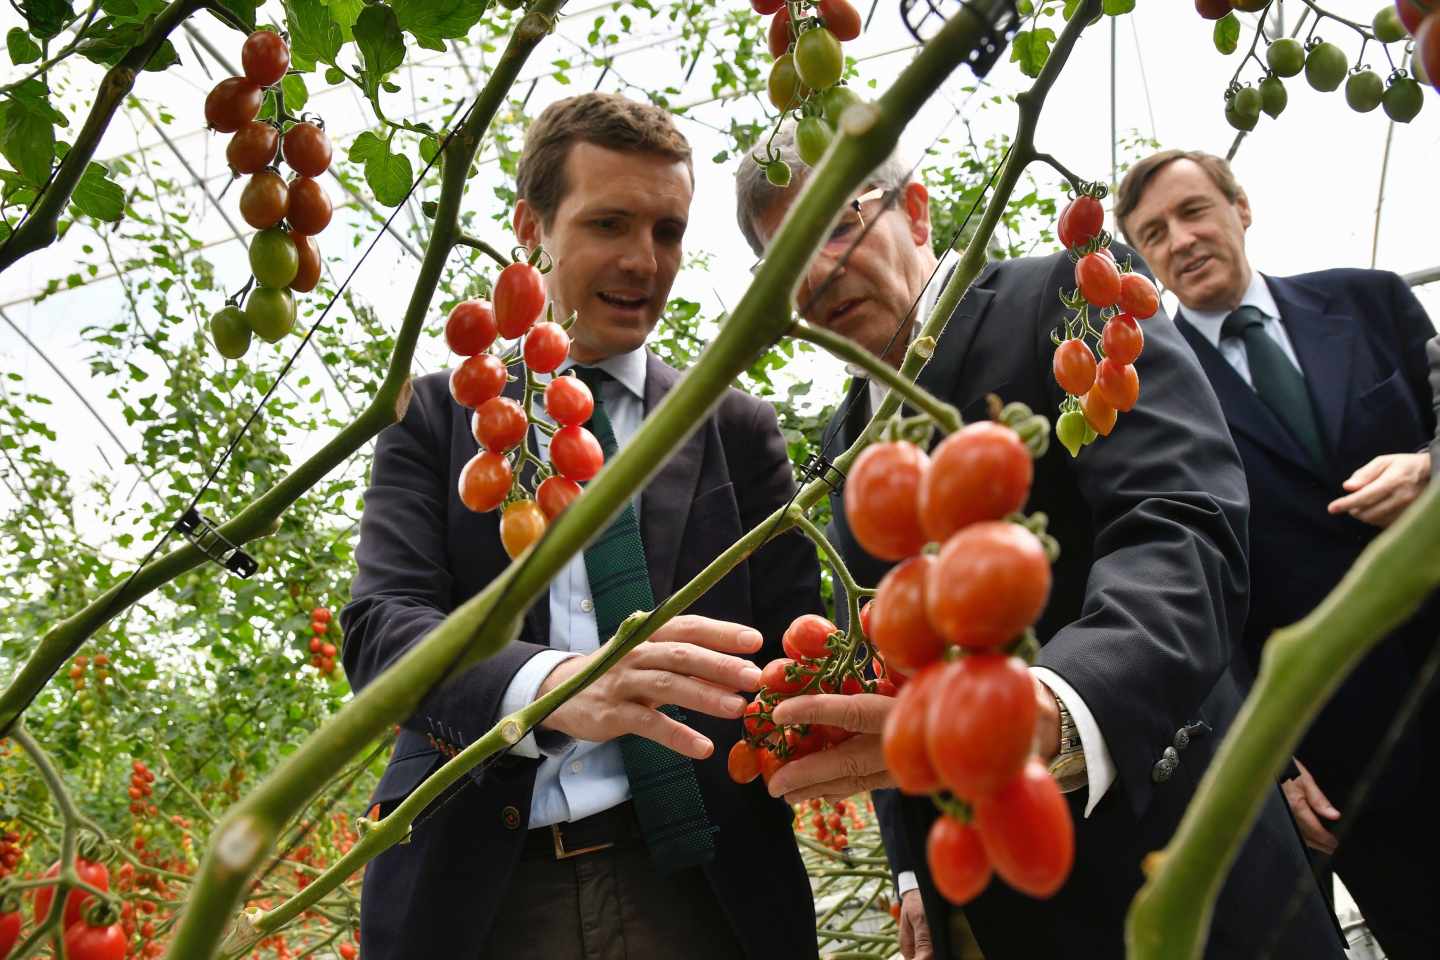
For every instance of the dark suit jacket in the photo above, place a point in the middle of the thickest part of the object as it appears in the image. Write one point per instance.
(422, 553)
(1433, 349)
(1147, 594)
(1360, 338)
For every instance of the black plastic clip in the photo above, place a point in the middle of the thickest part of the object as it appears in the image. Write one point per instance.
(820, 467)
(207, 539)
(925, 18)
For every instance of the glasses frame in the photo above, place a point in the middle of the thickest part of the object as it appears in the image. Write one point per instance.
(873, 194)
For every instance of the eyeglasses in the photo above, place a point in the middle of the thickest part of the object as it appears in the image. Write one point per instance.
(846, 229)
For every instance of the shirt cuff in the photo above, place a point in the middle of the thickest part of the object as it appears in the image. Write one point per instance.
(524, 687)
(1099, 766)
(905, 882)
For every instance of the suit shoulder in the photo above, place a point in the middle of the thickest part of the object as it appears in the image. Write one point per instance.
(1343, 278)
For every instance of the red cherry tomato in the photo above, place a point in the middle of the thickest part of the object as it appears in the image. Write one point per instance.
(1213, 9)
(743, 762)
(233, 103)
(900, 629)
(982, 472)
(265, 57)
(1098, 279)
(519, 299)
(1138, 296)
(84, 942)
(981, 723)
(1118, 384)
(779, 35)
(1074, 366)
(1411, 15)
(812, 740)
(957, 859)
(568, 401)
(521, 525)
(265, 200)
(805, 638)
(989, 582)
(308, 253)
(770, 764)
(575, 453)
(903, 741)
(775, 677)
(478, 379)
(555, 494)
(1098, 413)
(307, 149)
(880, 497)
(252, 147)
(310, 207)
(95, 874)
(470, 328)
(9, 930)
(1027, 832)
(757, 726)
(1080, 222)
(766, 7)
(485, 481)
(322, 614)
(499, 424)
(841, 18)
(1122, 338)
(546, 347)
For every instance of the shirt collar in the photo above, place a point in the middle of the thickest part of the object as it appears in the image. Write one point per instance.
(628, 369)
(1257, 295)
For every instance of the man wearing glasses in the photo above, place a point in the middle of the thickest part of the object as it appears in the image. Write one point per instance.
(1134, 672)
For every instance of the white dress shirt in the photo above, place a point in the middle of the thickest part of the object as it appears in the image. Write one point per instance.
(1099, 766)
(1257, 295)
(577, 778)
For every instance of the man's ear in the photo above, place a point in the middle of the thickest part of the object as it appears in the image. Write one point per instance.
(1242, 204)
(526, 222)
(917, 211)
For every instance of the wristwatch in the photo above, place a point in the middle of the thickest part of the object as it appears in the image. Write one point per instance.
(1068, 767)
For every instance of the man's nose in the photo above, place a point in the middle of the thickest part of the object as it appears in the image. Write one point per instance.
(639, 255)
(820, 270)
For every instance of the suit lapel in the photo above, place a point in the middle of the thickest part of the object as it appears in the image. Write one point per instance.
(941, 376)
(1244, 410)
(667, 498)
(1323, 342)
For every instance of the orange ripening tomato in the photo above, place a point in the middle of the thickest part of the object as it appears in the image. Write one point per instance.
(981, 723)
(521, 525)
(880, 499)
(899, 626)
(1074, 366)
(981, 472)
(990, 581)
(957, 859)
(903, 740)
(1138, 296)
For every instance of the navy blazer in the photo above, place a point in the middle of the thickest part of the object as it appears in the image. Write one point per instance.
(422, 554)
(1360, 337)
(1147, 596)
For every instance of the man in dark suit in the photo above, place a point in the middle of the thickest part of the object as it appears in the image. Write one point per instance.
(577, 844)
(1322, 378)
(1147, 593)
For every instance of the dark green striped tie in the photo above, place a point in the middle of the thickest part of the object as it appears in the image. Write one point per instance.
(663, 786)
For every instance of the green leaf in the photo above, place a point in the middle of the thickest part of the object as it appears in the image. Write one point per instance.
(1031, 48)
(96, 195)
(432, 22)
(388, 174)
(314, 35)
(1116, 8)
(382, 45)
(244, 10)
(334, 75)
(1227, 34)
(46, 17)
(27, 134)
(22, 48)
(109, 39)
(296, 95)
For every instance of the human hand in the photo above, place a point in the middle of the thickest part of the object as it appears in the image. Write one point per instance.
(1308, 803)
(914, 928)
(846, 769)
(690, 662)
(1382, 489)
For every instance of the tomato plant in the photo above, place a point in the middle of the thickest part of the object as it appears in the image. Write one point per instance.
(309, 207)
(555, 494)
(230, 332)
(93, 873)
(470, 328)
(568, 401)
(252, 148)
(270, 311)
(265, 200)
(546, 347)
(1098, 279)
(1118, 384)
(478, 379)
(1074, 366)
(273, 258)
(906, 754)
(818, 58)
(1122, 340)
(743, 762)
(307, 253)
(841, 18)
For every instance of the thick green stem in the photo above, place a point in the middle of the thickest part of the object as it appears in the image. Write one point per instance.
(1300, 670)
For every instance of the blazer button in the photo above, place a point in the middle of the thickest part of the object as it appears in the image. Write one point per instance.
(511, 818)
(1182, 738)
(1161, 771)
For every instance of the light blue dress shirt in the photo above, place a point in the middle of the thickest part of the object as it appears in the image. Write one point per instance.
(577, 778)
(1257, 295)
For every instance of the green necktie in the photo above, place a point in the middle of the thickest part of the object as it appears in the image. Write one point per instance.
(663, 786)
(1276, 379)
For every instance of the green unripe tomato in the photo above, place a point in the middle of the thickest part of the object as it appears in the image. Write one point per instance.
(812, 138)
(1364, 91)
(231, 332)
(1091, 435)
(1238, 121)
(1070, 431)
(1403, 100)
(837, 100)
(273, 258)
(1273, 96)
(1387, 25)
(778, 173)
(818, 58)
(1325, 67)
(786, 90)
(270, 312)
(1247, 103)
(1286, 57)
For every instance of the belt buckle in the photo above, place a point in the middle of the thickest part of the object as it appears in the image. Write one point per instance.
(562, 854)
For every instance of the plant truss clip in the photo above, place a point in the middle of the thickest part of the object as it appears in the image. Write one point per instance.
(821, 467)
(207, 539)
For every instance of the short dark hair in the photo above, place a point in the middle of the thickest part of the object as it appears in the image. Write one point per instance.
(604, 119)
(1132, 188)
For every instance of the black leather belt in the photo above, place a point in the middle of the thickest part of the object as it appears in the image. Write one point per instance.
(561, 841)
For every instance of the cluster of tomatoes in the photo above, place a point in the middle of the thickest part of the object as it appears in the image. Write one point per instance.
(1326, 66)
(804, 39)
(819, 658)
(83, 670)
(141, 778)
(283, 255)
(10, 852)
(832, 829)
(91, 931)
(1098, 390)
(965, 721)
(322, 651)
(499, 424)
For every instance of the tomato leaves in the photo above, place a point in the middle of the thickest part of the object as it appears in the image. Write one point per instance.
(388, 174)
(27, 130)
(432, 22)
(96, 195)
(316, 33)
(1031, 48)
(382, 47)
(1227, 34)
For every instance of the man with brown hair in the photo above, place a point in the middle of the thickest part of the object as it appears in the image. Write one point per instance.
(588, 840)
(1322, 378)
